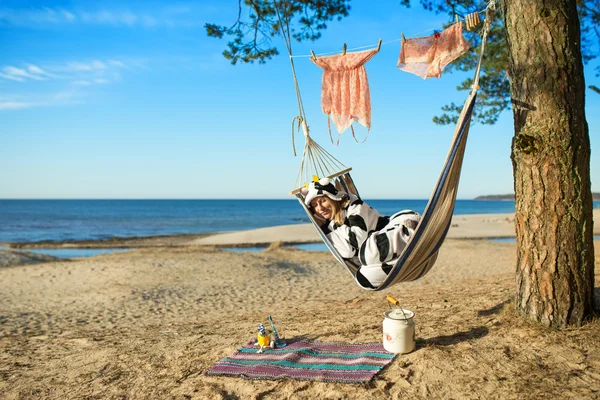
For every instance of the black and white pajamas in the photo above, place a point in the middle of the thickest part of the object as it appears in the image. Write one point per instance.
(371, 240)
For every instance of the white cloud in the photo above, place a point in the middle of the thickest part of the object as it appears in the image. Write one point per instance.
(35, 70)
(64, 84)
(11, 77)
(65, 97)
(15, 73)
(82, 66)
(98, 81)
(117, 63)
(92, 72)
(14, 105)
(169, 16)
(69, 16)
(70, 96)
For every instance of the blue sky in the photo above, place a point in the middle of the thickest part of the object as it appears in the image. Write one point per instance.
(110, 99)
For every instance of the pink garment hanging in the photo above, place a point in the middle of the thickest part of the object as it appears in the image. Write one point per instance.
(345, 95)
(427, 56)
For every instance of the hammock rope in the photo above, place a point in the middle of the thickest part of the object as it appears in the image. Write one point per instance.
(315, 159)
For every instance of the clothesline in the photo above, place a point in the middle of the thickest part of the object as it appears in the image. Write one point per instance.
(352, 49)
(383, 43)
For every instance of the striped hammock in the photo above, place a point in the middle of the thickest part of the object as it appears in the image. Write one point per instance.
(421, 251)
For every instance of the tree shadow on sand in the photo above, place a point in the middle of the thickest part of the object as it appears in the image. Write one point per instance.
(471, 334)
(494, 310)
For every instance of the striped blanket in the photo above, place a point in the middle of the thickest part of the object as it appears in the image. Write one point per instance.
(307, 360)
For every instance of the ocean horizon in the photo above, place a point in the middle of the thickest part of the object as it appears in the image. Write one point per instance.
(59, 220)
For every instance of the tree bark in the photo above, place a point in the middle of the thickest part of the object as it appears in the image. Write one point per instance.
(551, 163)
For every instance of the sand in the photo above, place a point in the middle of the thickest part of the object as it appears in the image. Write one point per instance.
(478, 226)
(148, 322)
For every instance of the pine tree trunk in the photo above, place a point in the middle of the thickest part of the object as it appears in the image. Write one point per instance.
(551, 162)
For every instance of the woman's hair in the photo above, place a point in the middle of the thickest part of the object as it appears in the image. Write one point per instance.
(338, 215)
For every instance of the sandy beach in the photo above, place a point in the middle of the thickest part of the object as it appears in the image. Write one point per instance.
(147, 323)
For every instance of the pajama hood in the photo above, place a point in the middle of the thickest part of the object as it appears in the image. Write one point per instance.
(323, 187)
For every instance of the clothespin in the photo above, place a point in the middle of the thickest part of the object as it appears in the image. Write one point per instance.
(457, 19)
(403, 38)
(379, 45)
(344, 50)
(477, 19)
(313, 55)
(469, 23)
(474, 18)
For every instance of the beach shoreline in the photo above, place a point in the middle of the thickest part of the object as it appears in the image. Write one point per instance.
(466, 226)
(113, 243)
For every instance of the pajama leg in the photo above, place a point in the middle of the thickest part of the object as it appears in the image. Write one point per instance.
(378, 253)
(388, 243)
(374, 275)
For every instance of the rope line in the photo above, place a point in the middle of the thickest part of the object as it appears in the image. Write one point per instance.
(487, 25)
(483, 11)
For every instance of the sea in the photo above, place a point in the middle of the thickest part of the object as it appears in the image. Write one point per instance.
(75, 220)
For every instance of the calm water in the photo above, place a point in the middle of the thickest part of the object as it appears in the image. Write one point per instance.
(61, 220)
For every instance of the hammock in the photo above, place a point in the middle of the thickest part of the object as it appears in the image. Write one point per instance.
(421, 252)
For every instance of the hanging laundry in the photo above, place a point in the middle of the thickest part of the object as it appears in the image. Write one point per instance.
(345, 95)
(427, 56)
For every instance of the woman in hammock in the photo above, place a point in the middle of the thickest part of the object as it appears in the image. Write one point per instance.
(358, 232)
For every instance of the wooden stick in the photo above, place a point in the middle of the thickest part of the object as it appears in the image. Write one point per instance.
(342, 172)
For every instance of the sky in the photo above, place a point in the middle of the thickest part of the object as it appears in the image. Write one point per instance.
(131, 100)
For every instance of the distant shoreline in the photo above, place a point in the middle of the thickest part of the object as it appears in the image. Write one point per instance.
(112, 243)
(511, 197)
(499, 197)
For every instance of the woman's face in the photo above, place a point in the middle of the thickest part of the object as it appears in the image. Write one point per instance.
(323, 207)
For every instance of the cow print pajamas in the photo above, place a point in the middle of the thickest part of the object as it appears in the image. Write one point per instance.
(371, 240)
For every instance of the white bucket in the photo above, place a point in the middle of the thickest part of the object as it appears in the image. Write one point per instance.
(399, 331)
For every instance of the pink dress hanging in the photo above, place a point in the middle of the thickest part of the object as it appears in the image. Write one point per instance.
(345, 95)
(427, 56)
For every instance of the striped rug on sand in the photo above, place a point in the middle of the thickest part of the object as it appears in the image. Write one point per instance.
(307, 360)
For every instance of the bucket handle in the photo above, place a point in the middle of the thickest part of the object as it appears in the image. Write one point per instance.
(391, 300)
